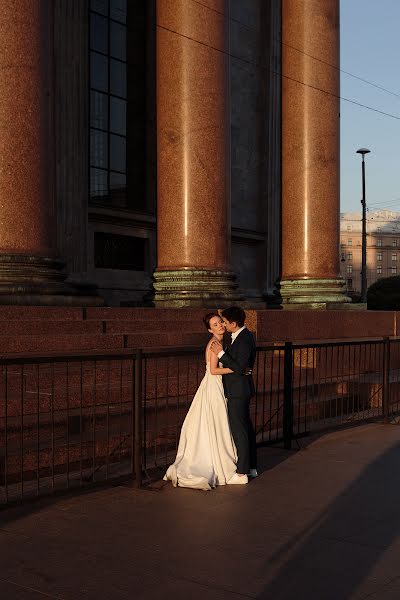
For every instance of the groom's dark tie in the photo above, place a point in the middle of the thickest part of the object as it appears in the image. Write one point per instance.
(228, 342)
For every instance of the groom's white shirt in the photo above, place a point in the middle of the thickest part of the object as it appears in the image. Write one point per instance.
(234, 336)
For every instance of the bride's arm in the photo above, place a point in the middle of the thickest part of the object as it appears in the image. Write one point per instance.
(214, 368)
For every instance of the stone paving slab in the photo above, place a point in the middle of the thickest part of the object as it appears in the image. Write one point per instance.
(321, 523)
(12, 591)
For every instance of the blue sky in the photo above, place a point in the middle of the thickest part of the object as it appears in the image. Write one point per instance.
(370, 48)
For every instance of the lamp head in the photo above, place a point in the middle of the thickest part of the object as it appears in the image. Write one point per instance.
(363, 151)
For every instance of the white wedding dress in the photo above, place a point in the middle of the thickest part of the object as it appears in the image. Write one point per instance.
(206, 454)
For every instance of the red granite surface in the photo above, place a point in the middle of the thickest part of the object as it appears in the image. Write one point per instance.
(324, 325)
(42, 313)
(25, 330)
(41, 327)
(24, 344)
(146, 314)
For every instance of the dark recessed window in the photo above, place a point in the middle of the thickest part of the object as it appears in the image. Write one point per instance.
(118, 93)
(112, 251)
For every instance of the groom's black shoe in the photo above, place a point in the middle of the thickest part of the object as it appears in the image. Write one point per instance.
(252, 473)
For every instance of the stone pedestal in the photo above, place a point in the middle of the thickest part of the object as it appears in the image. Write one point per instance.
(310, 155)
(39, 280)
(193, 155)
(30, 272)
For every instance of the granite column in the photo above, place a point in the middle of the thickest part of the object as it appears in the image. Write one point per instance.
(193, 155)
(310, 155)
(30, 272)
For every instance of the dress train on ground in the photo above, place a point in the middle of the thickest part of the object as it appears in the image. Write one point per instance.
(206, 454)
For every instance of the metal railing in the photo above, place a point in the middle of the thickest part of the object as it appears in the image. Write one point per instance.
(65, 422)
(68, 422)
(325, 385)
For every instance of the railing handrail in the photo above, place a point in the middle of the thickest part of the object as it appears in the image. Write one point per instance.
(165, 351)
(335, 344)
(57, 357)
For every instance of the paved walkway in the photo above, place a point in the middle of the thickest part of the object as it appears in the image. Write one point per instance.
(319, 524)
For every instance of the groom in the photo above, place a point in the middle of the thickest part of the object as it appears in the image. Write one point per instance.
(239, 389)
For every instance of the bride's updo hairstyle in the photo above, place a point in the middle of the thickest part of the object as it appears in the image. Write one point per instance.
(208, 317)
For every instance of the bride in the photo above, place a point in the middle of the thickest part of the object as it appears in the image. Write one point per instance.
(206, 454)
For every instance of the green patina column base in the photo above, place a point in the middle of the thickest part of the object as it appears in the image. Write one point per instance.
(315, 294)
(195, 288)
(41, 281)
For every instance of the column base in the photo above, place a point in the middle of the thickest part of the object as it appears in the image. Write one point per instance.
(41, 281)
(195, 288)
(273, 299)
(303, 294)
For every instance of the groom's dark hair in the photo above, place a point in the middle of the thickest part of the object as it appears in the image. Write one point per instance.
(234, 314)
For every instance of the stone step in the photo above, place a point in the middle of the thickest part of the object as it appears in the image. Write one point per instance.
(41, 313)
(147, 314)
(68, 330)
(24, 344)
(60, 313)
(166, 339)
(54, 342)
(50, 327)
(141, 326)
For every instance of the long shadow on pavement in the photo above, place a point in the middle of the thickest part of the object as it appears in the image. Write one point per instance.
(346, 544)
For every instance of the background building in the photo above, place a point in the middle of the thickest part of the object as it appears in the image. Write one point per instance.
(383, 247)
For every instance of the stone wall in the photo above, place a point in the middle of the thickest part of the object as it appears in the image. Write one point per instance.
(255, 131)
(36, 330)
(255, 151)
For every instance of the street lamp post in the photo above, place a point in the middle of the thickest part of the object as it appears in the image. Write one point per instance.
(363, 152)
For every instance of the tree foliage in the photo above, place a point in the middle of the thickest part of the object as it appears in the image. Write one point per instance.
(384, 294)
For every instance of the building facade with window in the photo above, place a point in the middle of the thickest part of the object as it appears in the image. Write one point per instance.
(383, 247)
(154, 149)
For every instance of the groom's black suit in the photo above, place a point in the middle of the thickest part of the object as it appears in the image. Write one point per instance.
(239, 389)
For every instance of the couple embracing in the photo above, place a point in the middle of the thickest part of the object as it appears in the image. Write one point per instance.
(217, 445)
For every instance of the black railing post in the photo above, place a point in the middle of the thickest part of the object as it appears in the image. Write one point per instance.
(138, 419)
(288, 396)
(386, 379)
